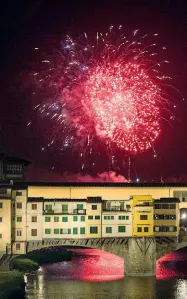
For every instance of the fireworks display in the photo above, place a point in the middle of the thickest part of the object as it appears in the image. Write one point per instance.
(106, 89)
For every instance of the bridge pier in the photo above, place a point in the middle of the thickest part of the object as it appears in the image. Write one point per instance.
(140, 259)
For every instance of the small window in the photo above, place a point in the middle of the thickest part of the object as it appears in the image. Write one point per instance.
(34, 219)
(34, 206)
(65, 231)
(93, 229)
(1, 236)
(172, 206)
(19, 219)
(75, 230)
(48, 207)
(56, 219)
(146, 229)
(18, 193)
(19, 233)
(18, 246)
(1, 205)
(64, 219)
(143, 217)
(1, 219)
(127, 217)
(165, 206)
(47, 231)
(82, 218)
(156, 228)
(19, 205)
(121, 229)
(75, 218)
(97, 217)
(90, 217)
(33, 232)
(56, 231)
(139, 229)
(108, 230)
(47, 219)
(82, 230)
(94, 207)
(157, 206)
(112, 217)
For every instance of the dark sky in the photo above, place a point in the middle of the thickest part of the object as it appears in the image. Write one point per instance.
(27, 24)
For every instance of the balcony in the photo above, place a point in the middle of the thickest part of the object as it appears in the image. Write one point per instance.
(65, 212)
(116, 209)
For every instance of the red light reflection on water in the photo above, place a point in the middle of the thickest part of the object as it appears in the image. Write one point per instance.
(99, 265)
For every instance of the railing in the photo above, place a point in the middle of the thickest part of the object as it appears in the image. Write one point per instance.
(5, 196)
(65, 212)
(116, 209)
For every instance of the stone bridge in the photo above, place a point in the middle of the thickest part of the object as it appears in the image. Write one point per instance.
(139, 253)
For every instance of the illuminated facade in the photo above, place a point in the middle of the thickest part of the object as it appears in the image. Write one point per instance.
(31, 212)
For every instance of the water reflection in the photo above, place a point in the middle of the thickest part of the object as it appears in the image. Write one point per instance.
(97, 275)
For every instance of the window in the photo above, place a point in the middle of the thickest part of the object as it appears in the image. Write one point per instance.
(93, 229)
(173, 206)
(143, 217)
(34, 219)
(90, 217)
(156, 228)
(1, 205)
(121, 229)
(47, 219)
(139, 229)
(82, 218)
(56, 219)
(82, 230)
(127, 217)
(121, 217)
(48, 207)
(19, 205)
(64, 209)
(108, 230)
(19, 219)
(56, 231)
(34, 206)
(94, 207)
(97, 217)
(65, 231)
(75, 230)
(165, 206)
(146, 229)
(19, 233)
(47, 231)
(18, 246)
(112, 217)
(157, 206)
(1, 219)
(1, 236)
(64, 219)
(108, 217)
(75, 218)
(18, 193)
(80, 207)
(33, 232)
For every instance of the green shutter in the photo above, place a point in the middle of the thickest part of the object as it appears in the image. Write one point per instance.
(47, 219)
(119, 217)
(80, 207)
(82, 230)
(64, 209)
(82, 218)
(56, 219)
(69, 231)
(56, 231)
(48, 207)
(127, 217)
(64, 219)
(121, 229)
(93, 229)
(75, 218)
(112, 217)
(75, 230)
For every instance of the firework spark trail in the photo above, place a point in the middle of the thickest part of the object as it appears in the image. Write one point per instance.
(110, 90)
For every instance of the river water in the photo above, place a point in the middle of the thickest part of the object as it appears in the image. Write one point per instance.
(96, 274)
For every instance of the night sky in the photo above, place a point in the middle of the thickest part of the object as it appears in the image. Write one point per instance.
(28, 25)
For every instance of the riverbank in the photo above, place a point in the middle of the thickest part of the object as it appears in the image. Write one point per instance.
(12, 285)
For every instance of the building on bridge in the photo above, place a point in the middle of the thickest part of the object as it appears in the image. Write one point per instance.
(31, 212)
